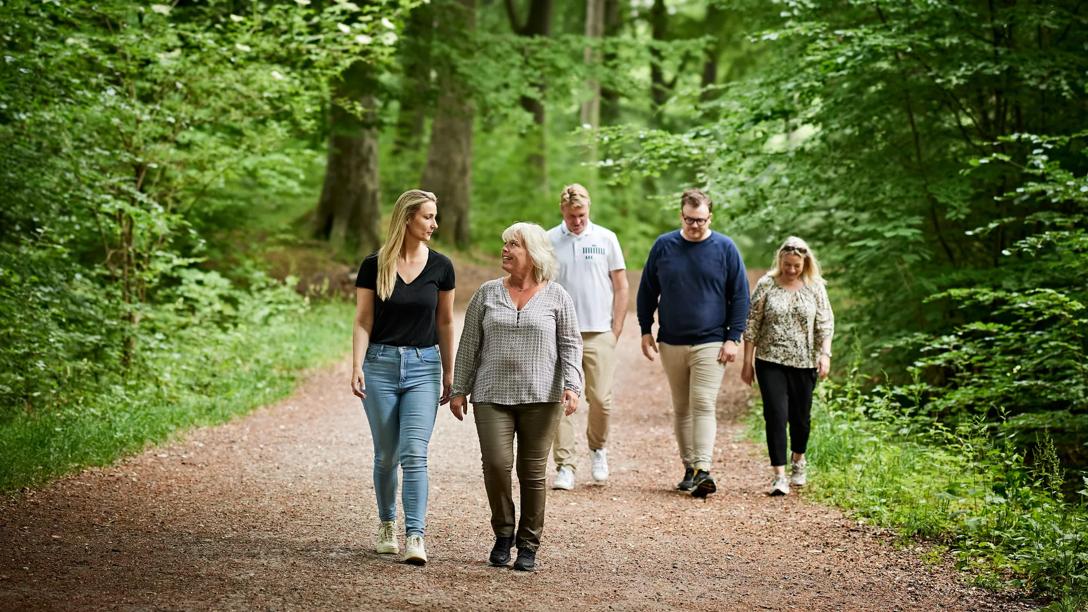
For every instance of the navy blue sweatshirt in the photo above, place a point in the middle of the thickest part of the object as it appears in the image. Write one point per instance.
(700, 290)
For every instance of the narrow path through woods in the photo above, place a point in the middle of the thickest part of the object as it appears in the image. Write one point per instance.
(276, 510)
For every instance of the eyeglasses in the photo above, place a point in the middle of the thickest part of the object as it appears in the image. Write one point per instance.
(800, 250)
(696, 221)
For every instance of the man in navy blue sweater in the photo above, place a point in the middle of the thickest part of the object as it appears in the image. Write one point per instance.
(695, 279)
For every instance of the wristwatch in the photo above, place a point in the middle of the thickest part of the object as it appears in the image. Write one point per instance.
(828, 353)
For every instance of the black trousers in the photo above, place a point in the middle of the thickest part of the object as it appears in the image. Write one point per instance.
(787, 397)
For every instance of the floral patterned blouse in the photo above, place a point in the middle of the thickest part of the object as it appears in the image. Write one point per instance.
(788, 327)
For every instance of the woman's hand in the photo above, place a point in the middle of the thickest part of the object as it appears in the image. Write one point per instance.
(824, 366)
(570, 402)
(459, 407)
(358, 384)
(447, 387)
(747, 373)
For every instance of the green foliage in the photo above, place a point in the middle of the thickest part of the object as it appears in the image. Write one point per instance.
(962, 488)
(201, 376)
(122, 127)
(138, 142)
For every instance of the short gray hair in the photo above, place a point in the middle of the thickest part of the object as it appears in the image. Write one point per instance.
(535, 240)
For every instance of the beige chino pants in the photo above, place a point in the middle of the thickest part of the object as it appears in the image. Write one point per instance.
(534, 425)
(599, 365)
(694, 378)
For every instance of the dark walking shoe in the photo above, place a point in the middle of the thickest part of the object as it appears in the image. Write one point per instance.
(526, 561)
(702, 484)
(500, 553)
(686, 483)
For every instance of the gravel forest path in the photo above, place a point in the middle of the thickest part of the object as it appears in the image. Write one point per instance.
(276, 511)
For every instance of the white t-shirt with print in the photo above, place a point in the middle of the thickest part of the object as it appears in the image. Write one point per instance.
(585, 263)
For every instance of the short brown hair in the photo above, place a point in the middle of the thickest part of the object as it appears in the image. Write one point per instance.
(694, 198)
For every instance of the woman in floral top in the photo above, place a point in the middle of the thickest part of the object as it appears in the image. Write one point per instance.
(787, 345)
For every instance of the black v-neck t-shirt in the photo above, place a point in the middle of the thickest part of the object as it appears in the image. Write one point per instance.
(407, 318)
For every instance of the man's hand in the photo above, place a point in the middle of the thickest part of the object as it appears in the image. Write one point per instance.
(649, 345)
(728, 352)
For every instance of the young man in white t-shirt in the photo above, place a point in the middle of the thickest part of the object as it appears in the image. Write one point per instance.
(592, 270)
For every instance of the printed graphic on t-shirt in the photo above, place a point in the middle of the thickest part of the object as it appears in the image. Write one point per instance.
(589, 251)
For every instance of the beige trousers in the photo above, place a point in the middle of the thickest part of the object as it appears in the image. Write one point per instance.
(694, 378)
(534, 426)
(599, 365)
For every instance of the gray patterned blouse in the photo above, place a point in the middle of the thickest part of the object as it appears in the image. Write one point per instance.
(788, 327)
(510, 357)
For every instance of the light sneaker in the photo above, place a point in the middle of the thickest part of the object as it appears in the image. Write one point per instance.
(387, 538)
(780, 486)
(600, 465)
(564, 479)
(798, 477)
(414, 552)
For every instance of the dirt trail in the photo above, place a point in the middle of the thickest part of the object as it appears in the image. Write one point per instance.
(276, 510)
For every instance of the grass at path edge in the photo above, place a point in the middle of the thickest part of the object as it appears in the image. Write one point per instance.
(205, 380)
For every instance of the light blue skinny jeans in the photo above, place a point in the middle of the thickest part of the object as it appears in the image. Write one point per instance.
(403, 384)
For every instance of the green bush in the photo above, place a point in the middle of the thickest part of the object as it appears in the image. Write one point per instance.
(1005, 518)
(190, 376)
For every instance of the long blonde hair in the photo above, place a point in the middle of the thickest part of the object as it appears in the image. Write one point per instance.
(536, 243)
(574, 196)
(407, 206)
(810, 270)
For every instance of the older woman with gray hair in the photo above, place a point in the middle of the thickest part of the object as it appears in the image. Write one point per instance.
(520, 358)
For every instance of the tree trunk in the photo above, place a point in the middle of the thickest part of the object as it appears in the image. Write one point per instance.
(537, 23)
(613, 23)
(348, 212)
(448, 172)
(713, 26)
(591, 109)
(415, 60)
(659, 89)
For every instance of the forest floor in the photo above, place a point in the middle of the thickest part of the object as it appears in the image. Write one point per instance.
(276, 511)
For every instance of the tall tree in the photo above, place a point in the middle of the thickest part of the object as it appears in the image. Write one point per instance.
(591, 109)
(537, 23)
(348, 212)
(659, 86)
(613, 23)
(415, 60)
(448, 172)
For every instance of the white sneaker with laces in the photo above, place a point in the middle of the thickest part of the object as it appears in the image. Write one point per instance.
(564, 479)
(780, 486)
(387, 539)
(414, 551)
(600, 465)
(798, 476)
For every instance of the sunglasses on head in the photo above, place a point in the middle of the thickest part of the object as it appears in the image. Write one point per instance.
(800, 250)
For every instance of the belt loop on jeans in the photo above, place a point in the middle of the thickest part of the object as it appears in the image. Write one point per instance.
(419, 353)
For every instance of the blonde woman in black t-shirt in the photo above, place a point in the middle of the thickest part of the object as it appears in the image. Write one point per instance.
(402, 358)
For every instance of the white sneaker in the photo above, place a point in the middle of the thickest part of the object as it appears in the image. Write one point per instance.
(600, 465)
(387, 538)
(414, 551)
(564, 479)
(798, 478)
(780, 486)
